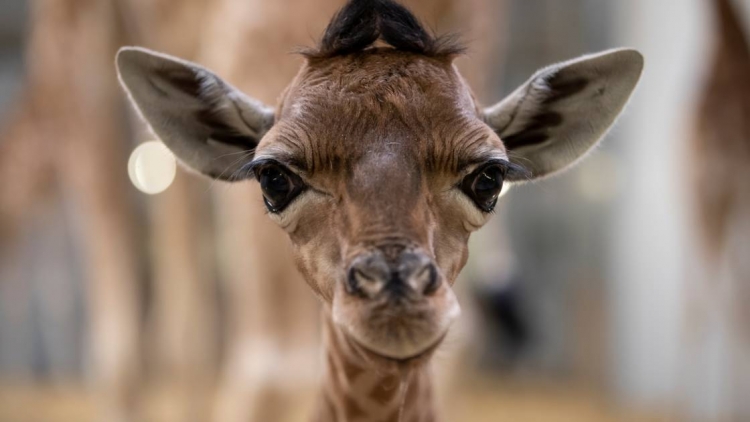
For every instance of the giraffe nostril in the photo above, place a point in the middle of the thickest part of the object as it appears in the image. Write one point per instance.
(352, 283)
(428, 277)
(419, 272)
(367, 276)
(411, 274)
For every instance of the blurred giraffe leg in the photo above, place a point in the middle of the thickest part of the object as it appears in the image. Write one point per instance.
(26, 181)
(183, 326)
(77, 107)
(26, 169)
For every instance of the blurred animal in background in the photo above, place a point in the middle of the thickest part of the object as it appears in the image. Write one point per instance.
(720, 182)
(378, 164)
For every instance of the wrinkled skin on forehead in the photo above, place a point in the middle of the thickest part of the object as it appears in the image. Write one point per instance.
(381, 137)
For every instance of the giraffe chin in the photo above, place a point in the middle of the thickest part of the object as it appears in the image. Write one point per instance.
(382, 360)
(397, 335)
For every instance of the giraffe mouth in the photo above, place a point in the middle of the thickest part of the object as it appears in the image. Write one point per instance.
(389, 339)
(381, 359)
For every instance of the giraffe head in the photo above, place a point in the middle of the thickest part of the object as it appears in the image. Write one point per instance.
(377, 161)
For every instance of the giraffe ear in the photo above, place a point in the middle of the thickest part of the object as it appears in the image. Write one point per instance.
(209, 125)
(565, 109)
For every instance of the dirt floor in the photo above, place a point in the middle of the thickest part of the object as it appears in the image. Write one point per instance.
(478, 401)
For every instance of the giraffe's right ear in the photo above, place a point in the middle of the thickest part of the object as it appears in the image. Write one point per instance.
(209, 125)
(563, 111)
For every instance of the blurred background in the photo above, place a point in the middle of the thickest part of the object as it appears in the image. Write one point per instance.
(617, 292)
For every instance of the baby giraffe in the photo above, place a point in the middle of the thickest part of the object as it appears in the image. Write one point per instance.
(379, 164)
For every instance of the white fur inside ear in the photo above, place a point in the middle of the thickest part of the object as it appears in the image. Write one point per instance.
(563, 111)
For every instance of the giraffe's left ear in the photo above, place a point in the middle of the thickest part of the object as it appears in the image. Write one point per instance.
(565, 109)
(209, 125)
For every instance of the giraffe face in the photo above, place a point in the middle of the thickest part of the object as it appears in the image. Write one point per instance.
(378, 163)
(379, 167)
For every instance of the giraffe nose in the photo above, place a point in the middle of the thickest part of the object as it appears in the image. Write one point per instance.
(409, 274)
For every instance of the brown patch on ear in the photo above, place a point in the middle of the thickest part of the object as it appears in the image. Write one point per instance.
(188, 82)
(536, 132)
(181, 79)
(524, 139)
(544, 120)
(222, 132)
(562, 89)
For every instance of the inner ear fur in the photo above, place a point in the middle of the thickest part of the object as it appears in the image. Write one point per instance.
(210, 126)
(563, 111)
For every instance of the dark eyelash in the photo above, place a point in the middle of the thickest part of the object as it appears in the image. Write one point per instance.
(255, 165)
(516, 171)
(510, 170)
(289, 163)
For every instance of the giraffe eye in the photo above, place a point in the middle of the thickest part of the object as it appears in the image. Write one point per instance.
(280, 186)
(484, 186)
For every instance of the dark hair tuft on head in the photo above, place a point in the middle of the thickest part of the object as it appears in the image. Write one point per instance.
(360, 23)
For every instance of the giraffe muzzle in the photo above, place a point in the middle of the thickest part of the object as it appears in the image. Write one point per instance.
(409, 275)
(394, 302)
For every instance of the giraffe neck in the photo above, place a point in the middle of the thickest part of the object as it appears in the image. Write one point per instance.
(355, 390)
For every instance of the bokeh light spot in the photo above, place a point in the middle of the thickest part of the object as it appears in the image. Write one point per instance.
(152, 167)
